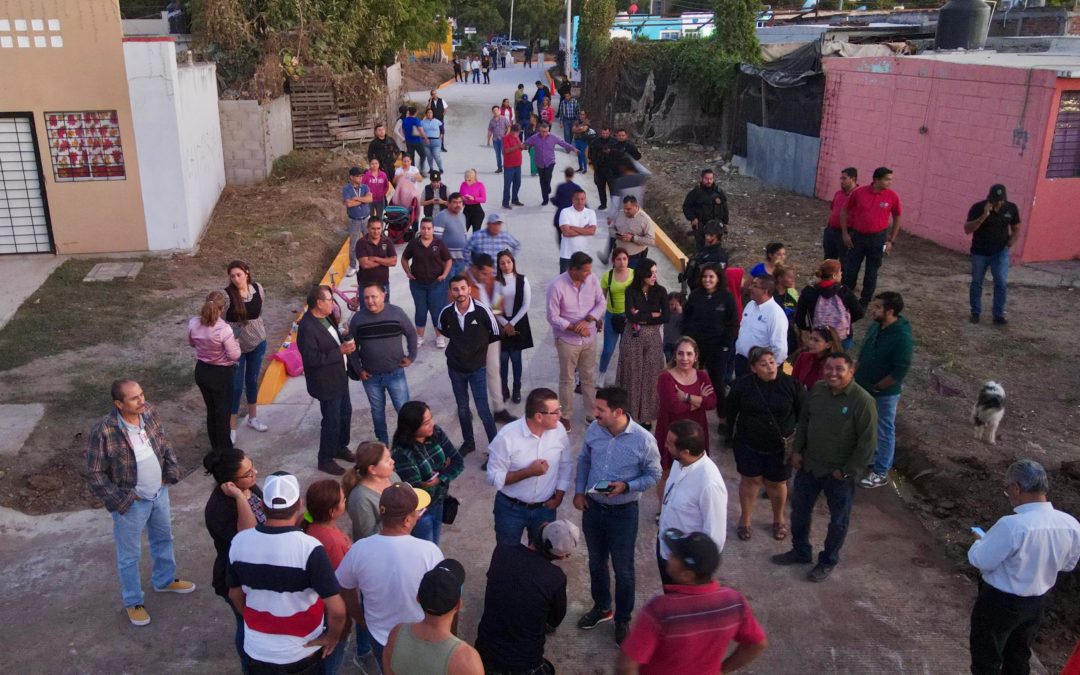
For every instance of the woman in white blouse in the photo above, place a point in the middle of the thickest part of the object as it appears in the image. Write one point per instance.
(512, 291)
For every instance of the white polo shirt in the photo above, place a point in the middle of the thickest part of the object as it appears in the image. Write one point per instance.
(695, 500)
(516, 447)
(583, 218)
(763, 325)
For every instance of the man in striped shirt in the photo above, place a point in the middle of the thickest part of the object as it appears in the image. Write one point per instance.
(689, 627)
(281, 581)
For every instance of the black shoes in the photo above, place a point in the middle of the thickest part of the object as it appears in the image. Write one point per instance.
(331, 467)
(345, 454)
(792, 557)
(974, 318)
(504, 417)
(466, 448)
(1000, 321)
(819, 573)
(622, 629)
(544, 203)
(516, 398)
(517, 203)
(505, 393)
(594, 617)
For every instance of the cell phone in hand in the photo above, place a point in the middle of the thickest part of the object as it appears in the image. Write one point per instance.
(603, 486)
(979, 531)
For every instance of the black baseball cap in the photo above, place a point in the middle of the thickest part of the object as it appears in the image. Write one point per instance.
(356, 171)
(997, 193)
(440, 588)
(697, 550)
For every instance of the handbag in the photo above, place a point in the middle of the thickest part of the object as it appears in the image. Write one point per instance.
(450, 509)
(788, 442)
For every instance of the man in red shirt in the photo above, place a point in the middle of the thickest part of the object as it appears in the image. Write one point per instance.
(688, 628)
(832, 243)
(511, 150)
(864, 225)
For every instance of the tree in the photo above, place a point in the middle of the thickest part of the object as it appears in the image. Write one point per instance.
(736, 34)
(484, 17)
(594, 31)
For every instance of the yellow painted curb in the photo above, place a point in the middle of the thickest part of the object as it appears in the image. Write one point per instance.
(446, 84)
(275, 376)
(670, 249)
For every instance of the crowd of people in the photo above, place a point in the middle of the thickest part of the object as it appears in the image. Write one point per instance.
(775, 365)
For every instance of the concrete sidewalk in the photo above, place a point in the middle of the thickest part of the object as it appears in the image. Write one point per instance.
(893, 606)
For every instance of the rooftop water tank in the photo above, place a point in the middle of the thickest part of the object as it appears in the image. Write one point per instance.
(963, 24)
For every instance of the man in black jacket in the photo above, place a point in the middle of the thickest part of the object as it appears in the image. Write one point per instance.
(384, 149)
(704, 203)
(438, 107)
(470, 327)
(600, 154)
(712, 253)
(323, 350)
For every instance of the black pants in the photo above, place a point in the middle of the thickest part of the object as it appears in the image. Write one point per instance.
(603, 186)
(216, 385)
(661, 564)
(545, 181)
(474, 216)
(312, 665)
(832, 243)
(416, 152)
(1003, 627)
(868, 247)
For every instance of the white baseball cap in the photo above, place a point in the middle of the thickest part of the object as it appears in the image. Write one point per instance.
(280, 490)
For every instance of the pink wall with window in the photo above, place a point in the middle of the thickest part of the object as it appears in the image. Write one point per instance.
(949, 131)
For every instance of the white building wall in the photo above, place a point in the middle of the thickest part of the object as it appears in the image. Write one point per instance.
(174, 111)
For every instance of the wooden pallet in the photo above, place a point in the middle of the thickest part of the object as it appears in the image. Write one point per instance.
(322, 119)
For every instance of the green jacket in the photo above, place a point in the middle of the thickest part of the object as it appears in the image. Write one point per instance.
(837, 431)
(885, 352)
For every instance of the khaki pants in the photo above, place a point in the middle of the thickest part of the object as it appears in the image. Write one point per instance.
(494, 381)
(583, 359)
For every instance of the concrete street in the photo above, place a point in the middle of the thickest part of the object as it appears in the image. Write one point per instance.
(892, 606)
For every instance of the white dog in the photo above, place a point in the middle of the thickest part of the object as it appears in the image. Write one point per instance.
(988, 411)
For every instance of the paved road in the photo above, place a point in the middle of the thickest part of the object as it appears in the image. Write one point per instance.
(892, 606)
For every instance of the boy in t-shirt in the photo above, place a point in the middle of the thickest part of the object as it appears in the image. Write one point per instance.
(673, 327)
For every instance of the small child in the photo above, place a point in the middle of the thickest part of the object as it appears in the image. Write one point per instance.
(787, 297)
(673, 327)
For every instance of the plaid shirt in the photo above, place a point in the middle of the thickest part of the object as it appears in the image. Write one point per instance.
(482, 242)
(569, 109)
(418, 462)
(111, 470)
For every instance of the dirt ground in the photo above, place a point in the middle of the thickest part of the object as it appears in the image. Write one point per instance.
(425, 76)
(950, 480)
(288, 229)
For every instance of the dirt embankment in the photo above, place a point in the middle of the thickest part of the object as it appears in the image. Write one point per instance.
(422, 76)
(952, 481)
(70, 340)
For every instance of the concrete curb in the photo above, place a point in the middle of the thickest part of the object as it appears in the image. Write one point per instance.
(275, 376)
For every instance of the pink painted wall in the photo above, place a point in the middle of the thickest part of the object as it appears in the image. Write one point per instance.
(1056, 235)
(948, 131)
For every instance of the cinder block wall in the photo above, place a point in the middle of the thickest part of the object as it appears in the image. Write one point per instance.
(253, 135)
(948, 131)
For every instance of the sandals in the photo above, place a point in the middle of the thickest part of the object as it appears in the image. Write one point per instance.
(744, 532)
(779, 531)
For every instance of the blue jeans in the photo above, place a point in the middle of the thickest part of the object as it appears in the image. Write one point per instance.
(477, 381)
(433, 152)
(839, 495)
(332, 664)
(511, 519)
(363, 639)
(247, 376)
(507, 357)
(511, 185)
(334, 431)
(567, 130)
(999, 270)
(886, 432)
(496, 144)
(376, 387)
(611, 532)
(611, 341)
(582, 162)
(238, 638)
(376, 648)
(429, 298)
(151, 515)
(430, 524)
(357, 229)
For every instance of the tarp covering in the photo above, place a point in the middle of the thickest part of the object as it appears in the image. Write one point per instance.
(788, 70)
(782, 158)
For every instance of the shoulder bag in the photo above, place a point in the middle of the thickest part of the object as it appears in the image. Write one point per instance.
(788, 442)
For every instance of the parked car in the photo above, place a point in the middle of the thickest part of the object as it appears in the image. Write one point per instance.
(516, 46)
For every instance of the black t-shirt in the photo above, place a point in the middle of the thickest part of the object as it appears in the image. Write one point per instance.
(220, 516)
(525, 593)
(993, 235)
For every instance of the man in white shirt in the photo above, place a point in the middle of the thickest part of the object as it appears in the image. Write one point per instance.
(695, 497)
(530, 464)
(385, 569)
(763, 324)
(1019, 558)
(576, 224)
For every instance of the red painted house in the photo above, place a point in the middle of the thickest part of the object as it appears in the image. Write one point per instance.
(951, 125)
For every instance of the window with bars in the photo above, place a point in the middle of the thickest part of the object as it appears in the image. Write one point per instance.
(85, 145)
(1065, 151)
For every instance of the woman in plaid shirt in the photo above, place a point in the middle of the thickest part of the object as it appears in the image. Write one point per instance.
(425, 458)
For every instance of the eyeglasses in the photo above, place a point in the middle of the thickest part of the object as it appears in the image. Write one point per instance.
(249, 474)
(556, 411)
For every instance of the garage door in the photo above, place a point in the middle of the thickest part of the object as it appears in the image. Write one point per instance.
(24, 222)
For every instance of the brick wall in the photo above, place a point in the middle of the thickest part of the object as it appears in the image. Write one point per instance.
(253, 135)
(947, 130)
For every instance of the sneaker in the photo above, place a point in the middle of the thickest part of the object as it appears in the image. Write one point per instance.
(792, 557)
(517, 203)
(419, 342)
(345, 454)
(504, 417)
(367, 664)
(138, 615)
(177, 586)
(498, 170)
(874, 480)
(622, 629)
(543, 202)
(508, 207)
(440, 342)
(820, 572)
(331, 467)
(974, 318)
(232, 436)
(255, 424)
(1000, 321)
(466, 448)
(350, 271)
(594, 616)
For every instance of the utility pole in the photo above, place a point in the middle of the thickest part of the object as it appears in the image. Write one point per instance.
(511, 38)
(569, 33)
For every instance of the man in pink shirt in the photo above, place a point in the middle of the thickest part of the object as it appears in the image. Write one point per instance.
(575, 310)
(864, 225)
(832, 243)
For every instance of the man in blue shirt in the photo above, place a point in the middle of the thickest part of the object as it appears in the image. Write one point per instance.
(414, 137)
(619, 460)
(357, 199)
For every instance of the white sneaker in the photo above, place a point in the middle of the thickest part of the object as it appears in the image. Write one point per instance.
(874, 480)
(350, 271)
(440, 342)
(419, 342)
(255, 424)
(232, 435)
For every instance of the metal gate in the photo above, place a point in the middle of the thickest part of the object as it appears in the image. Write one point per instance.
(24, 216)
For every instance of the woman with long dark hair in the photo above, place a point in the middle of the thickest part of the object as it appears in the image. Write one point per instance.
(325, 502)
(614, 283)
(516, 294)
(243, 312)
(234, 505)
(685, 393)
(810, 364)
(711, 317)
(641, 356)
(216, 354)
(425, 458)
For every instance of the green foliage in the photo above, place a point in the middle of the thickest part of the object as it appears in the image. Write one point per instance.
(484, 17)
(594, 31)
(735, 29)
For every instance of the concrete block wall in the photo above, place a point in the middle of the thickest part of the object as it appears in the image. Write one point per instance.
(254, 135)
(947, 130)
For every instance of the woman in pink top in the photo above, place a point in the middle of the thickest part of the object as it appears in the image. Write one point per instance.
(406, 194)
(473, 194)
(547, 113)
(325, 501)
(378, 184)
(217, 352)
